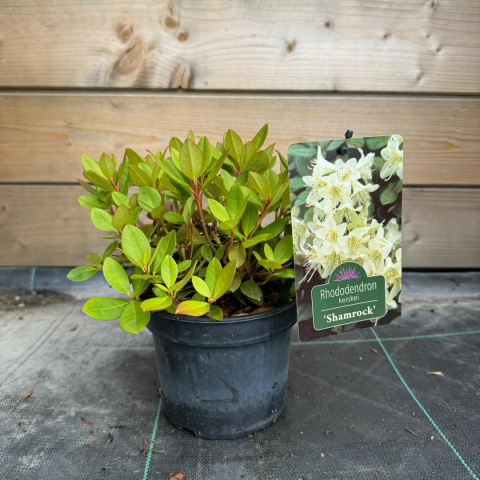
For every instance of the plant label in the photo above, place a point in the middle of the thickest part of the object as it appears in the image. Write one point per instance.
(346, 220)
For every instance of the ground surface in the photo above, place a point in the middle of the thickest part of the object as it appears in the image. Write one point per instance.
(353, 412)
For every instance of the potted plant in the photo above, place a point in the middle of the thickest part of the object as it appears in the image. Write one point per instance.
(202, 250)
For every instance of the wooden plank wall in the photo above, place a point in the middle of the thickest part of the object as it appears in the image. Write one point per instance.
(78, 78)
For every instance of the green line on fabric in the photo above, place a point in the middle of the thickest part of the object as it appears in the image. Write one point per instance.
(152, 441)
(390, 339)
(32, 277)
(417, 401)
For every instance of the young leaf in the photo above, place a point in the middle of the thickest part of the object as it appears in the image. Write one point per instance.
(149, 198)
(183, 265)
(166, 246)
(213, 271)
(268, 252)
(104, 308)
(108, 165)
(87, 187)
(133, 318)
(248, 152)
(89, 202)
(215, 312)
(98, 180)
(88, 163)
(102, 220)
(200, 286)
(283, 250)
(214, 170)
(139, 176)
(169, 271)
(157, 303)
(259, 184)
(224, 280)
(234, 143)
(191, 159)
(79, 274)
(134, 243)
(192, 308)
(275, 228)
(261, 136)
(94, 259)
(254, 240)
(218, 210)
(252, 291)
(287, 273)
(110, 249)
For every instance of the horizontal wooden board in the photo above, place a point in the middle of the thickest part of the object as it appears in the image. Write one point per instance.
(43, 134)
(44, 225)
(328, 45)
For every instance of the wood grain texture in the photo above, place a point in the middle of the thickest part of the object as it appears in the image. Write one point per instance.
(328, 45)
(44, 225)
(43, 134)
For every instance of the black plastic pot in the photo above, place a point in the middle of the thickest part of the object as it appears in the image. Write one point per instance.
(223, 379)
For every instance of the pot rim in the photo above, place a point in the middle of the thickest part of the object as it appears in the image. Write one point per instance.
(225, 320)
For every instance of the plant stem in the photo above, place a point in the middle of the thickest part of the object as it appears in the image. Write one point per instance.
(198, 200)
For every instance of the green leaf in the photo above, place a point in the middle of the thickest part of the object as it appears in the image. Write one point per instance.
(218, 210)
(207, 150)
(104, 308)
(102, 220)
(215, 312)
(79, 274)
(252, 291)
(200, 286)
(108, 165)
(87, 187)
(191, 159)
(268, 252)
(174, 217)
(334, 144)
(120, 199)
(206, 252)
(249, 219)
(237, 253)
(214, 170)
(183, 265)
(192, 308)
(308, 150)
(121, 217)
(89, 163)
(283, 249)
(94, 259)
(89, 202)
(213, 271)
(98, 180)
(374, 143)
(134, 243)
(139, 176)
(389, 195)
(224, 280)
(259, 184)
(235, 284)
(235, 201)
(149, 198)
(166, 246)
(356, 142)
(133, 157)
(133, 318)
(275, 228)
(248, 152)
(234, 143)
(110, 249)
(179, 285)
(188, 210)
(157, 303)
(261, 136)
(254, 240)
(268, 264)
(169, 271)
(259, 163)
(116, 276)
(287, 273)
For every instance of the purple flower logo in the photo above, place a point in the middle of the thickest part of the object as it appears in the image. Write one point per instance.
(346, 274)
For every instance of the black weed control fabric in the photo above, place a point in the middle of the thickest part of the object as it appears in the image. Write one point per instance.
(95, 413)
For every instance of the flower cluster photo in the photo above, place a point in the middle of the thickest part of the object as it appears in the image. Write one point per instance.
(346, 207)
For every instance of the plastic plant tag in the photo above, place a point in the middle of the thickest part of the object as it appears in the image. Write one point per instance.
(346, 219)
